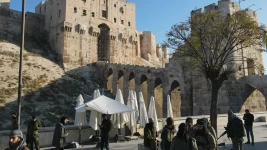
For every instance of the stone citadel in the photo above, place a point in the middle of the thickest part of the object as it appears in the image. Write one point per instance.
(103, 32)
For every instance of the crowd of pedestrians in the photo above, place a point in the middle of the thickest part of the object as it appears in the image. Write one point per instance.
(199, 136)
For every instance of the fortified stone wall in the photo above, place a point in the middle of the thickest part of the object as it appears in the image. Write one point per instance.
(10, 25)
(85, 32)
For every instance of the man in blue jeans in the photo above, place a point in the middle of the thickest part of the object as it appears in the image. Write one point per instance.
(249, 119)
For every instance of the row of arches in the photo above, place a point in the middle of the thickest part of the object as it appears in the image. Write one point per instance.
(148, 88)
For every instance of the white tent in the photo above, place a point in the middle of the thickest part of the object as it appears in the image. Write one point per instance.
(120, 118)
(143, 112)
(169, 107)
(133, 116)
(95, 116)
(80, 117)
(104, 105)
(152, 112)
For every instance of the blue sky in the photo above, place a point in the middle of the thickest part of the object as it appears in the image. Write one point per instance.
(159, 15)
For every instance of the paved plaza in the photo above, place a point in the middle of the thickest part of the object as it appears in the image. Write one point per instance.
(260, 133)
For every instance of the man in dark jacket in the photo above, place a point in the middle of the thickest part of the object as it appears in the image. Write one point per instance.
(105, 128)
(32, 133)
(167, 134)
(16, 141)
(60, 134)
(249, 119)
(235, 130)
(14, 121)
(150, 135)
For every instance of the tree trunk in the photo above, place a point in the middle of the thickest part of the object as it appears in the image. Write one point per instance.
(216, 85)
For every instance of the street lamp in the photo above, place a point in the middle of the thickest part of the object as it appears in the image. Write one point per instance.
(20, 62)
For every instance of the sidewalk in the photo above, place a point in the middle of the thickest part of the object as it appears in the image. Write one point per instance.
(260, 135)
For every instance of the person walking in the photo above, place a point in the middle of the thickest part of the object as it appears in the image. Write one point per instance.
(60, 134)
(182, 141)
(235, 130)
(16, 141)
(249, 119)
(150, 135)
(105, 128)
(167, 134)
(32, 133)
(14, 121)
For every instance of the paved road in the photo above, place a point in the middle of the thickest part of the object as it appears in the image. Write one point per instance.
(260, 133)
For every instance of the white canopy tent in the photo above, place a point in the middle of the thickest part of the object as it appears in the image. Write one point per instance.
(143, 112)
(152, 112)
(95, 116)
(80, 117)
(104, 105)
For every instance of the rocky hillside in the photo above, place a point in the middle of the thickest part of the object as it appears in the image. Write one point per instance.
(48, 90)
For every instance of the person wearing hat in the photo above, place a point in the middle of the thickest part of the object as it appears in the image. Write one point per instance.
(32, 133)
(204, 139)
(16, 141)
(60, 134)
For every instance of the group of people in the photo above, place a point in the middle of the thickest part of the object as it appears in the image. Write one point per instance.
(200, 136)
(16, 140)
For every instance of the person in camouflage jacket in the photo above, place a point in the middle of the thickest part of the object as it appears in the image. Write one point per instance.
(167, 134)
(32, 133)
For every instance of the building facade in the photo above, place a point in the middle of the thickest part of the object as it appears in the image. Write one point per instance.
(83, 32)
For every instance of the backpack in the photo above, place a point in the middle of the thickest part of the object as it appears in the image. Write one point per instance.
(238, 126)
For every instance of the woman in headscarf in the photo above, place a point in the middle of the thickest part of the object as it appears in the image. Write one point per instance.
(182, 141)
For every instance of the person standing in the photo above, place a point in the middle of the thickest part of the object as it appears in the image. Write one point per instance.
(249, 119)
(150, 135)
(235, 130)
(182, 141)
(189, 125)
(60, 134)
(16, 141)
(14, 121)
(32, 133)
(167, 134)
(105, 128)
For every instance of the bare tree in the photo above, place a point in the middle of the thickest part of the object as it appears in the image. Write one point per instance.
(211, 41)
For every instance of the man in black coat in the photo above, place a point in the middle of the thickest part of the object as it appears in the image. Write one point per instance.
(105, 128)
(249, 119)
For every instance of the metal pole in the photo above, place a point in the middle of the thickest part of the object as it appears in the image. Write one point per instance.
(20, 61)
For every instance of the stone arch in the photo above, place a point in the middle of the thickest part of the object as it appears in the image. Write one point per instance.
(131, 81)
(253, 99)
(144, 89)
(158, 96)
(110, 80)
(175, 94)
(103, 43)
(120, 80)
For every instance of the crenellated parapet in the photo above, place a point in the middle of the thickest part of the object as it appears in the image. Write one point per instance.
(94, 31)
(66, 27)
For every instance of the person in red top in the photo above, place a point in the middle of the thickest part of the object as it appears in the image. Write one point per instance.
(16, 141)
(249, 119)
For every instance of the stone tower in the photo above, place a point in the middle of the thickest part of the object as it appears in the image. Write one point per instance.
(86, 31)
(5, 3)
(251, 58)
